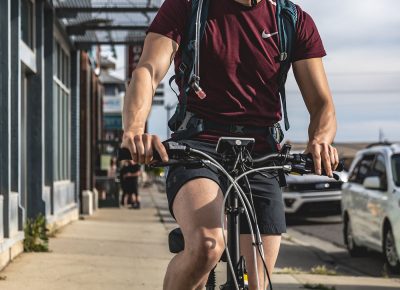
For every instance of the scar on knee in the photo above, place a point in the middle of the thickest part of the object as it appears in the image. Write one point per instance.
(211, 243)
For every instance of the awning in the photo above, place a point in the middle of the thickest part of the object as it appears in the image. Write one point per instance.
(92, 22)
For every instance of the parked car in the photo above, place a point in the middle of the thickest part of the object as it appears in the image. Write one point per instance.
(371, 204)
(312, 195)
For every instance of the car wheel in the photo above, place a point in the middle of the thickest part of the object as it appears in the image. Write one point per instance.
(352, 247)
(389, 251)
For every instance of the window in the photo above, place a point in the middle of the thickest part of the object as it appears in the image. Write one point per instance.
(379, 170)
(28, 22)
(61, 112)
(362, 169)
(396, 169)
(110, 90)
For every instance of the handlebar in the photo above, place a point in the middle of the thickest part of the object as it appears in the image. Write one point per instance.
(183, 155)
(301, 163)
(177, 153)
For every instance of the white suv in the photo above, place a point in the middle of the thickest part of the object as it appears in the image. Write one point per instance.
(371, 204)
(312, 195)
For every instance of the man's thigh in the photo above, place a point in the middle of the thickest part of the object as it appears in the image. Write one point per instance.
(197, 208)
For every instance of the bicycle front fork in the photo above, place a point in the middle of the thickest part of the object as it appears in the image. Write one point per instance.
(241, 276)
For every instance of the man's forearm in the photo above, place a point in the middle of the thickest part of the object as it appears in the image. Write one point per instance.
(138, 100)
(323, 125)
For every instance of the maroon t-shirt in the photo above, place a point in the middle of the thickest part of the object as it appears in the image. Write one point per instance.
(239, 66)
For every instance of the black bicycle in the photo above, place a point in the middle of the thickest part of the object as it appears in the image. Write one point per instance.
(237, 163)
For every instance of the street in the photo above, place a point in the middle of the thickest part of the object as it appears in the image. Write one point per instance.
(323, 231)
(326, 228)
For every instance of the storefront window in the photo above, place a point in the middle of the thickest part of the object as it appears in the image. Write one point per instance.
(62, 109)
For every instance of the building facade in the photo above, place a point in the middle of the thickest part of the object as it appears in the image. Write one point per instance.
(41, 115)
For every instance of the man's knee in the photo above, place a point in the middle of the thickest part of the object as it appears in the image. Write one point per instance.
(205, 247)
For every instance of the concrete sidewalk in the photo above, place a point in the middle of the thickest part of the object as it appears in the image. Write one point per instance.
(127, 249)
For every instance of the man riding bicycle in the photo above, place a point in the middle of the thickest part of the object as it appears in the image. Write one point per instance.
(240, 79)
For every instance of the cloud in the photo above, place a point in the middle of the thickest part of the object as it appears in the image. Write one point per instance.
(357, 22)
(362, 40)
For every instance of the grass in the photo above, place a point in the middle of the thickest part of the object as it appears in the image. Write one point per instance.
(289, 270)
(287, 237)
(322, 270)
(317, 270)
(36, 237)
(318, 287)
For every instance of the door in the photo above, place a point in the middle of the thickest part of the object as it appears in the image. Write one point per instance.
(359, 197)
(377, 202)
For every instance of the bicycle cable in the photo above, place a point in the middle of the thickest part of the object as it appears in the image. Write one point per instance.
(242, 194)
(244, 200)
(270, 168)
(215, 163)
(258, 235)
(261, 252)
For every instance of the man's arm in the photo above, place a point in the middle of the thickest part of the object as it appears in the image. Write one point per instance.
(311, 78)
(157, 55)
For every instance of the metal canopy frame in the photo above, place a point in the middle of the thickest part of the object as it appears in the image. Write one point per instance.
(109, 22)
(78, 29)
(71, 12)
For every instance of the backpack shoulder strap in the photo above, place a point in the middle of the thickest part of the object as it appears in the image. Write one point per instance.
(286, 19)
(185, 69)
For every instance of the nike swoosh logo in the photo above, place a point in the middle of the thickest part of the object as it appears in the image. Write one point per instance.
(268, 35)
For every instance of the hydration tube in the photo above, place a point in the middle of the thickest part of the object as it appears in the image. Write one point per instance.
(195, 79)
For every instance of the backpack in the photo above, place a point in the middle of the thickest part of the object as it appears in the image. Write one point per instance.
(286, 18)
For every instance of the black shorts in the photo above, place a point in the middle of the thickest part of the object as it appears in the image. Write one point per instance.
(265, 188)
(130, 185)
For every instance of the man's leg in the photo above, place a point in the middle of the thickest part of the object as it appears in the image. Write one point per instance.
(197, 209)
(136, 192)
(271, 246)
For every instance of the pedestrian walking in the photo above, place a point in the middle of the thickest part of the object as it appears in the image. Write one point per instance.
(129, 176)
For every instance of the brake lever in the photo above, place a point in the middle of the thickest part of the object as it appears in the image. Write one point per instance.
(175, 151)
(305, 168)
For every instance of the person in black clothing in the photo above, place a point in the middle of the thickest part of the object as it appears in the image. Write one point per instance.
(130, 173)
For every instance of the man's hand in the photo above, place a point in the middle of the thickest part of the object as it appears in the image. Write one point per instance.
(324, 156)
(142, 147)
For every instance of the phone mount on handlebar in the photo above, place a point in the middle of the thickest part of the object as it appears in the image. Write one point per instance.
(231, 145)
(234, 148)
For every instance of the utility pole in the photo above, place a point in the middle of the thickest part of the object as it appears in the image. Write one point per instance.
(381, 136)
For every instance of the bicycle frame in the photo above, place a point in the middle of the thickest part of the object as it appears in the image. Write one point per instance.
(226, 146)
(233, 220)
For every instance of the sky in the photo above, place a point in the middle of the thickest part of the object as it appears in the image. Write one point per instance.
(362, 40)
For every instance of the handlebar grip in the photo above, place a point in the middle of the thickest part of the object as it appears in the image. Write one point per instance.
(309, 163)
(304, 164)
(340, 166)
(124, 154)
